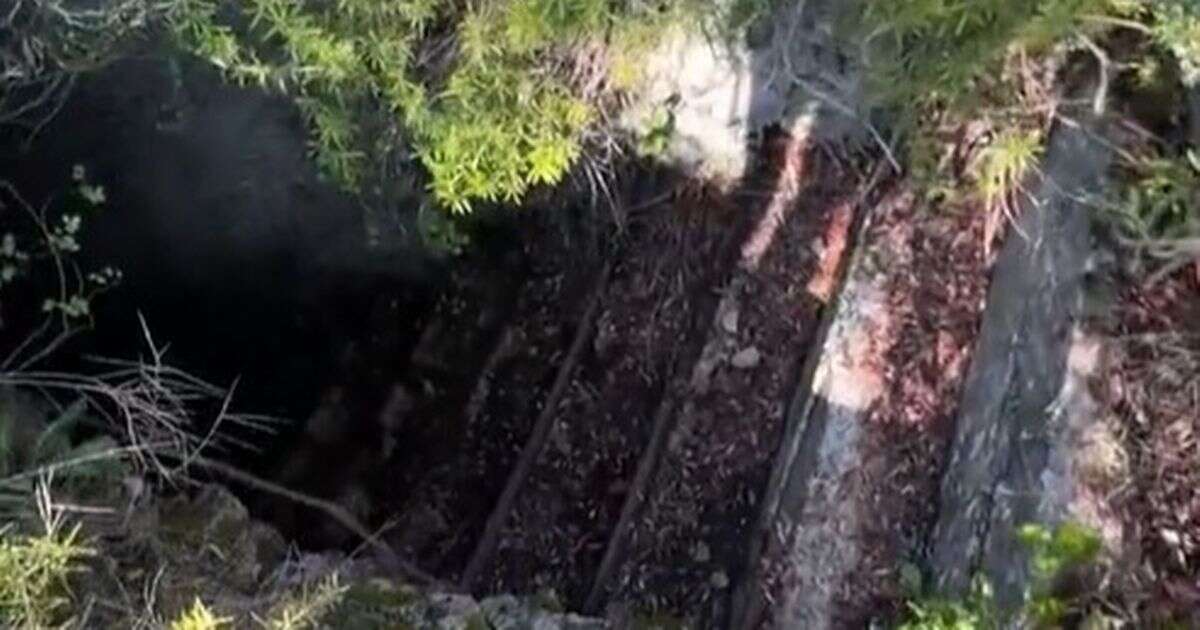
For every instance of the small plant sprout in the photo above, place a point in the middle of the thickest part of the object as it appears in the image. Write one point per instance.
(1066, 547)
(34, 569)
(1002, 170)
(200, 617)
(306, 608)
(659, 128)
(1054, 551)
(976, 611)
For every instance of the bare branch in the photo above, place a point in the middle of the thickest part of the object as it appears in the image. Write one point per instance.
(64, 271)
(153, 407)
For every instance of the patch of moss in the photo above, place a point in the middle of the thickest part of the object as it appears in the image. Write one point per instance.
(378, 604)
(658, 621)
(478, 622)
(214, 517)
(548, 600)
(182, 524)
(381, 593)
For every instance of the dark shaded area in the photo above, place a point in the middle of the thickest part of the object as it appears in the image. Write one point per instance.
(238, 256)
(249, 267)
(414, 383)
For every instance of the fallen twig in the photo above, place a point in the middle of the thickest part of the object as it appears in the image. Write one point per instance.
(331, 509)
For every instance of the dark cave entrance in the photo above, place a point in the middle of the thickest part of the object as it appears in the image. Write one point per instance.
(248, 268)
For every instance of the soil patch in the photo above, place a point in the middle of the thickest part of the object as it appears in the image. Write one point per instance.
(665, 269)
(1154, 397)
(935, 295)
(689, 545)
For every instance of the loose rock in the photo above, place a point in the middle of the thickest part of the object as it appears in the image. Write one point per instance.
(747, 359)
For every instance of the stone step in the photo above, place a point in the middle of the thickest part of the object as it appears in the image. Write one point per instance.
(681, 540)
(805, 543)
(854, 478)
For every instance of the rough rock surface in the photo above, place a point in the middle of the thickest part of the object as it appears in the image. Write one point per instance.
(379, 604)
(205, 545)
(215, 523)
(1193, 105)
(793, 67)
(1026, 411)
(811, 510)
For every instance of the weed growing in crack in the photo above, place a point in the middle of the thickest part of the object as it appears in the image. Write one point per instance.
(35, 568)
(1054, 553)
(1004, 166)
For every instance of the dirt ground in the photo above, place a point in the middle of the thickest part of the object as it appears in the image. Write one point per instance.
(563, 519)
(690, 544)
(652, 323)
(1154, 399)
(928, 262)
(663, 438)
(673, 412)
(500, 386)
(656, 321)
(935, 296)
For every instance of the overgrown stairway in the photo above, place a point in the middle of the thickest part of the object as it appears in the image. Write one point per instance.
(653, 443)
(741, 415)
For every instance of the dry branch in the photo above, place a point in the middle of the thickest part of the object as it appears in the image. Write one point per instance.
(153, 406)
(331, 509)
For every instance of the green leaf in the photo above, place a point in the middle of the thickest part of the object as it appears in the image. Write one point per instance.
(1035, 536)
(1076, 543)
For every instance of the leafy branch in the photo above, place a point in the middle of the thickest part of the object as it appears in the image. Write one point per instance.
(51, 241)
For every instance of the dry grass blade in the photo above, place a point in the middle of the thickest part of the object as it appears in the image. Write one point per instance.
(1002, 170)
(1174, 254)
(153, 406)
(35, 568)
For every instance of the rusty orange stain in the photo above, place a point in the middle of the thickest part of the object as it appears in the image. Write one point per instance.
(787, 188)
(836, 242)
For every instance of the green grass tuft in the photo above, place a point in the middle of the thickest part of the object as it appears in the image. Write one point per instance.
(35, 571)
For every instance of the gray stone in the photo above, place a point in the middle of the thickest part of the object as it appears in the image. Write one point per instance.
(747, 359)
(721, 93)
(729, 321)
